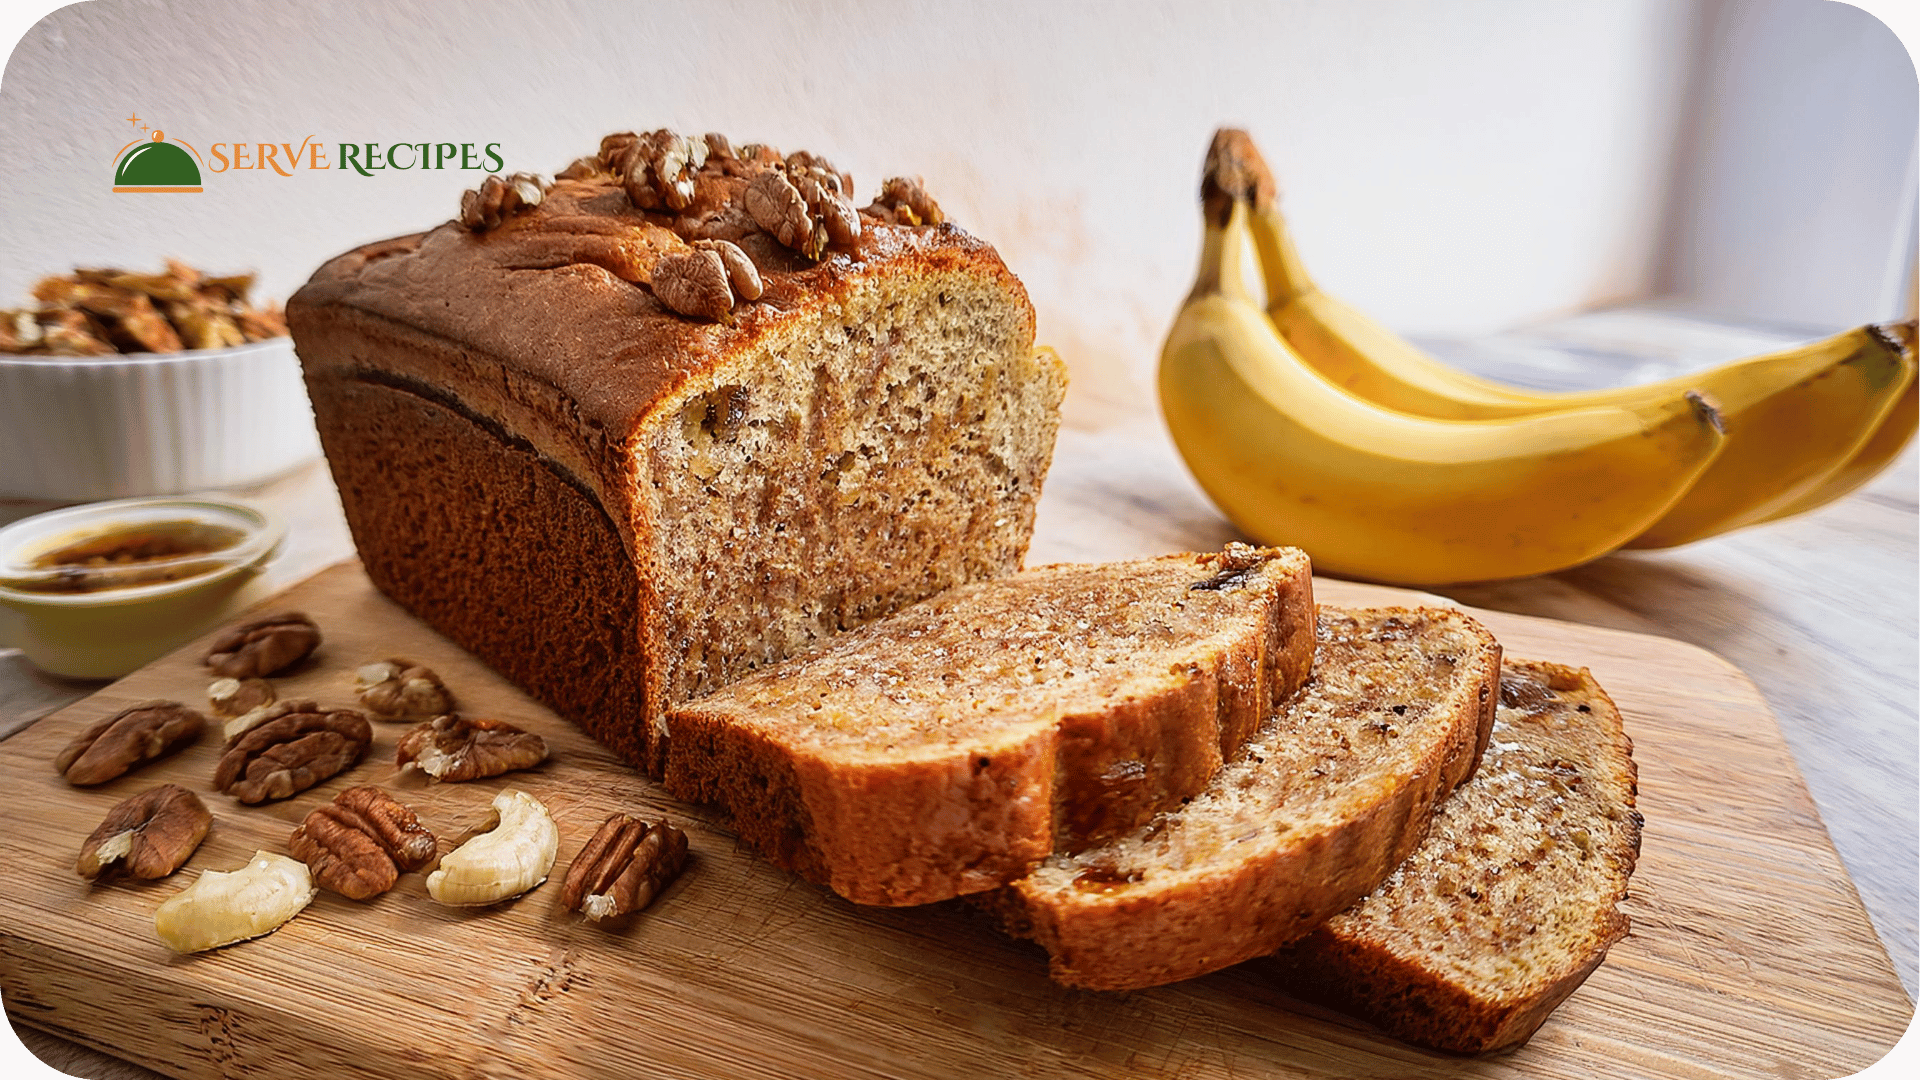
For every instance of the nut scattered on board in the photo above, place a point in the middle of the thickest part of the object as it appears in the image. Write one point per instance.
(224, 907)
(359, 844)
(401, 690)
(129, 738)
(626, 864)
(147, 836)
(263, 647)
(511, 858)
(299, 744)
(243, 703)
(454, 748)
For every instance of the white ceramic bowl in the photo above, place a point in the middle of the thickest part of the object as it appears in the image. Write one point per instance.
(80, 428)
(106, 634)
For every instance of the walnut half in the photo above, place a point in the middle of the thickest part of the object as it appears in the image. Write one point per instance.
(454, 748)
(148, 836)
(704, 281)
(626, 864)
(401, 690)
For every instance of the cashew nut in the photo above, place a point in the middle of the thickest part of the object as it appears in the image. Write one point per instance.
(221, 908)
(508, 860)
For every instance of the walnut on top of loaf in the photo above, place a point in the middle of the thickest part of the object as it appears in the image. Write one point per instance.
(711, 195)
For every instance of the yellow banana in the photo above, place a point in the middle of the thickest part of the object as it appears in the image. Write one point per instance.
(1374, 493)
(1891, 437)
(1796, 419)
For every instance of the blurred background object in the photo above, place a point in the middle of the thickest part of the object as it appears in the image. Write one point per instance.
(1454, 169)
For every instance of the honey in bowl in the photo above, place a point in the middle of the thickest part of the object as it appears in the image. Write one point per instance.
(121, 556)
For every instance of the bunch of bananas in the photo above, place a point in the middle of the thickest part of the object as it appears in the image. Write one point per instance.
(1309, 424)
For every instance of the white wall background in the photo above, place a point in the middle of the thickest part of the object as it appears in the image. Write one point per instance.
(1452, 167)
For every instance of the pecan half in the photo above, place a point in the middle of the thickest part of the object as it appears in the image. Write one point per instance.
(401, 690)
(148, 836)
(498, 198)
(453, 748)
(131, 737)
(264, 646)
(359, 844)
(623, 867)
(299, 745)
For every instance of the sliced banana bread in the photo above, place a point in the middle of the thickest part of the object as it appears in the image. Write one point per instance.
(1511, 902)
(619, 499)
(946, 749)
(1320, 805)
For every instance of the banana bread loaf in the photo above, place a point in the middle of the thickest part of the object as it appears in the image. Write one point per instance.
(630, 435)
(946, 749)
(1319, 806)
(1513, 899)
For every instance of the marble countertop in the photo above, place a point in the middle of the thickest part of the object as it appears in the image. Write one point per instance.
(1822, 611)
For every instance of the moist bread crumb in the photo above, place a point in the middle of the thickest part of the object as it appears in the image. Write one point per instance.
(945, 749)
(1512, 901)
(1320, 804)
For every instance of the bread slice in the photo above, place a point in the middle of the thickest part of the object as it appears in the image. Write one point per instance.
(946, 749)
(1320, 805)
(1511, 902)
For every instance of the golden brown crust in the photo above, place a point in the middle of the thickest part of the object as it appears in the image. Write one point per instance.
(1264, 893)
(926, 827)
(1353, 963)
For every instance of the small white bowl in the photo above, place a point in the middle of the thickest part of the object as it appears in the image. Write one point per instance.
(106, 634)
(80, 428)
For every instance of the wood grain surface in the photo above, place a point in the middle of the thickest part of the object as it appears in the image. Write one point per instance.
(1750, 952)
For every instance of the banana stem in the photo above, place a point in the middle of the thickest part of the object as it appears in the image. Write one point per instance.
(1223, 258)
(1280, 264)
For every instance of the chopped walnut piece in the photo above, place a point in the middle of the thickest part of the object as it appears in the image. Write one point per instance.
(299, 744)
(66, 332)
(455, 749)
(401, 690)
(801, 202)
(359, 844)
(626, 864)
(265, 646)
(131, 737)
(147, 836)
(904, 200)
(777, 207)
(498, 198)
(657, 168)
(583, 168)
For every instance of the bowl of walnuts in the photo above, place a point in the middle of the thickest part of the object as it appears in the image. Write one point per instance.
(115, 384)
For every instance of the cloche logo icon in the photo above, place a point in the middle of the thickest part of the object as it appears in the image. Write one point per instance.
(156, 165)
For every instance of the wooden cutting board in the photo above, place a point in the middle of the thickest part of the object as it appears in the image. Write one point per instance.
(1750, 953)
